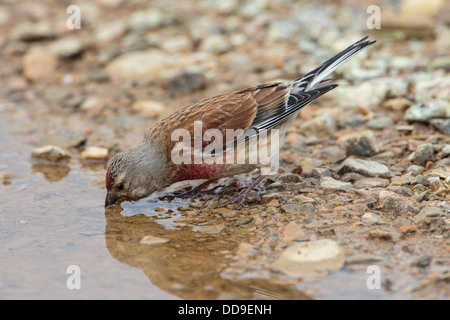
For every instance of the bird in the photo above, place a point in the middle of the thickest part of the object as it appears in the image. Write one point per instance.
(252, 114)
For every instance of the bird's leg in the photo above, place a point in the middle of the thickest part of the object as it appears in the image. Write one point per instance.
(194, 191)
(239, 199)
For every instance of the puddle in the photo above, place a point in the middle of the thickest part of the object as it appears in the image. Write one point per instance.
(52, 217)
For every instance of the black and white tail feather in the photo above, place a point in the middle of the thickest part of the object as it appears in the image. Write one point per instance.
(311, 86)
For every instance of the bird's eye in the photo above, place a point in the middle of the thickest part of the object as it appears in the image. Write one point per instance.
(120, 187)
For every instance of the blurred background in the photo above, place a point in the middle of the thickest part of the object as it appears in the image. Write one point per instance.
(85, 80)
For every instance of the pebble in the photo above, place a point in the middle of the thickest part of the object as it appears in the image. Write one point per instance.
(415, 169)
(149, 108)
(407, 228)
(94, 153)
(431, 109)
(138, 65)
(391, 202)
(289, 177)
(39, 65)
(333, 154)
(366, 94)
(28, 31)
(4, 176)
(295, 208)
(397, 104)
(107, 32)
(380, 235)
(211, 229)
(371, 183)
(307, 258)
(370, 218)
(422, 155)
(216, 44)
(149, 239)
(403, 180)
(291, 231)
(146, 19)
(65, 139)
(443, 125)
(50, 153)
(365, 167)
(363, 145)
(245, 249)
(380, 123)
(429, 212)
(66, 47)
(187, 82)
(333, 184)
(225, 212)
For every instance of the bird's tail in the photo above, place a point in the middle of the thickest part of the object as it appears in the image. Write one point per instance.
(316, 76)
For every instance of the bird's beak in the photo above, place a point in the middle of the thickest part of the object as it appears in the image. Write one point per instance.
(110, 199)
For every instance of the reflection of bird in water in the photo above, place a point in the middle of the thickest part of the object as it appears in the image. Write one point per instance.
(189, 264)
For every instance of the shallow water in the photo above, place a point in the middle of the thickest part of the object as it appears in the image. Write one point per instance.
(53, 217)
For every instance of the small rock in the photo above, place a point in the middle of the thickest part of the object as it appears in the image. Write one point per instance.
(291, 231)
(333, 154)
(273, 203)
(403, 180)
(371, 183)
(431, 109)
(187, 82)
(289, 177)
(137, 65)
(65, 139)
(295, 208)
(110, 31)
(397, 104)
(66, 47)
(39, 65)
(429, 212)
(415, 170)
(365, 167)
(392, 202)
(408, 228)
(94, 153)
(312, 257)
(50, 153)
(423, 154)
(149, 239)
(321, 172)
(424, 262)
(445, 152)
(380, 235)
(443, 125)
(380, 123)
(148, 108)
(147, 19)
(246, 249)
(28, 31)
(216, 44)
(244, 221)
(369, 218)
(211, 229)
(225, 212)
(4, 176)
(332, 184)
(363, 145)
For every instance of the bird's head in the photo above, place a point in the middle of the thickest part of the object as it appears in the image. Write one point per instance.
(129, 176)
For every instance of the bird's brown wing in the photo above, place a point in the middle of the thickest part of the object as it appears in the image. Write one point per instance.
(233, 111)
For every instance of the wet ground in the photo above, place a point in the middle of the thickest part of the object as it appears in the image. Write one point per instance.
(389, 214)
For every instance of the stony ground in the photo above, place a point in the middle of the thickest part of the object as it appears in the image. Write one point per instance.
(365, 171)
